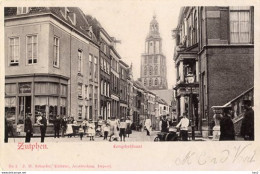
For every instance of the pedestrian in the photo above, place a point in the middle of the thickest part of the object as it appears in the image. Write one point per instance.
(148, 125)
(63, 126)
(227, 132)
(91, 130)
(113, 129)
(84, 124)
(106, 131)
(28, 128)
(57, 125)
(43, 125)
(128, 126)
(183, 125)
(122, 129)
(81, 132)
(74, 127)
(247, 126)
(164, 124)
(69, 130)
(99, 126)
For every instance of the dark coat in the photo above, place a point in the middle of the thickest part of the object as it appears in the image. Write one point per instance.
(57, 123)
(227, 131)
(28, 125)
(247, 127)
(44, 122)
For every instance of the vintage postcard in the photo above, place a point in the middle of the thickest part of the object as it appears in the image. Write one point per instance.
(129, 85)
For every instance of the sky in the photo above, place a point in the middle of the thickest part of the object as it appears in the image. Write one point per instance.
(128, 21)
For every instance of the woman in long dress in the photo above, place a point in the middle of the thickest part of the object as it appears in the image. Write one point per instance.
(69, 130)
(128, 128)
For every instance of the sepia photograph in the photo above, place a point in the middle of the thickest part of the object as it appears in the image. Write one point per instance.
(126, 74)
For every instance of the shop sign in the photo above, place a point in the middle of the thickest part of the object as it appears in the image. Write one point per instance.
(24, 88)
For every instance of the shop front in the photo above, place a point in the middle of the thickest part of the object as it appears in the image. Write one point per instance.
(34, 95)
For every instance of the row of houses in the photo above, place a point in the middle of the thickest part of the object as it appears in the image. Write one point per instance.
(214, 61)
(60, 61)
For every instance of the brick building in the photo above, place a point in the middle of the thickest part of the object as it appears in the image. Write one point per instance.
(217, 46)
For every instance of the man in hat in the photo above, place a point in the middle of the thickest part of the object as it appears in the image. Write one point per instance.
(247, 127)
(164, 124)
(43, 126)
(28, 128)
(227, 131)
(184, 124)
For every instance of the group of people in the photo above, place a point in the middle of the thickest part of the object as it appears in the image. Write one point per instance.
(112, 128)
(227, 131)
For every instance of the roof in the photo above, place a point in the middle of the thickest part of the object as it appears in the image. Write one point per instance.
(123, 63)
(166, 95)
(81, 24)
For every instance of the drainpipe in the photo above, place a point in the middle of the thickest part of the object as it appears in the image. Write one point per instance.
(70, 72)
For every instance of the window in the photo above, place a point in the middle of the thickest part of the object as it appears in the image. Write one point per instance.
(156, 70)
(240, 24)
(151, 70)
(156, 82)
(145, 82)
(80, 61)
(101, 62)
(145, 70)
(150, 82)
(62, 106)
(79, 90)
(22, 10)
(86, 111)
(105, 88)
(108, 68)
(80, 112)
(63, 90)
(101, 87)
(105, 66)
(95, 67)
(56, 52)
(90, 65)
(32, 49)
(108, 93)
(53, 108)
(40, 105)
(10, 107)
(14, 51)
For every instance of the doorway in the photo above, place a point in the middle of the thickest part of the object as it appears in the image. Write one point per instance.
(24, 108)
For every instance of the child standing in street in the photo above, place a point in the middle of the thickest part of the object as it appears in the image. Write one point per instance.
(91, 130)
(106, 130)
(81, 131)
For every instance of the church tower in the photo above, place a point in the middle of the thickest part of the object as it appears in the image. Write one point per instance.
(153, 62)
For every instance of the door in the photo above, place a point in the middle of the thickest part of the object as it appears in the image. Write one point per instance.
(24, 108)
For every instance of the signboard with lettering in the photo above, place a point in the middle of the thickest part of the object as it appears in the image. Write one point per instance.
(24, 88)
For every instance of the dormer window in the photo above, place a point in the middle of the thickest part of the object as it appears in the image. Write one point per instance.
(22, 10)
(72, 18)
(65, 13)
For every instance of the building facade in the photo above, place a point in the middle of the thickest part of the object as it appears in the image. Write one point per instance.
(153, 62)
(219, 43)
(105, 70)
(41, 76)
(115, 83)
(123, 67)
